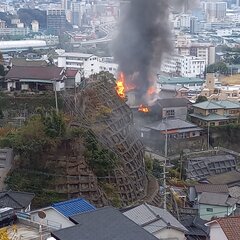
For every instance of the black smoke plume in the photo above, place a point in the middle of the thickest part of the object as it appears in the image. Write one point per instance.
(143, 37)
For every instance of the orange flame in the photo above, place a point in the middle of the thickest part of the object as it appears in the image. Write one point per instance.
(151, 90)
(120, 88)
(143, 108)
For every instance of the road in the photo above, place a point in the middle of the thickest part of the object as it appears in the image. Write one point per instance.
(108, 29)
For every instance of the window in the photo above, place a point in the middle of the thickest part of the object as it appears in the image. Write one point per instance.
(170, 113)
(209, 209)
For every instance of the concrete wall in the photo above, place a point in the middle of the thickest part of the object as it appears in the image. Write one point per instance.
(216, 232)
(53, 219)
(170, 234)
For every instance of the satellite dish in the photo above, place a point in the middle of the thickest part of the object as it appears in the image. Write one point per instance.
(41, 214)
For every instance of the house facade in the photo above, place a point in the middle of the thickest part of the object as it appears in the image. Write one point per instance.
(157, 221)
(215, 113)
(227, 228)
(216, 205)
(88, 64)
(40, 78)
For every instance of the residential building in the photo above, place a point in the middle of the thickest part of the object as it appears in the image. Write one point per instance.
(23, 31)
(2, 24)
(175, 128)
(196, 191)
(216, 205)
(73, 207)
(56, 21)
(184, 46)
(87, 64)
(53, 218)
(226, 228)
(202, 167)
(73, 78)
(19, 201)
(40, 78)
(28, 62)
(180, 134)
(215, 113)
(215, 11)
(215, 90)
(170, 108)
(35, 26)
(193, 84)
(101, 224)
(185, 66)
(157, 221)
(57, 215)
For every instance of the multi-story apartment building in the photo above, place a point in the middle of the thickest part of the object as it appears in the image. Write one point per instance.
(185, 66)
(88, 64)
(215, 11)
(56, 21)
(184, 46)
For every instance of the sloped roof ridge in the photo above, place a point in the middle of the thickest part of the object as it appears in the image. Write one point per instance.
(7, 193)
(158, 217)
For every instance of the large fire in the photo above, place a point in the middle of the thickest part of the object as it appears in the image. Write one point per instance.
(143, 108)
(151, 90)
(120, 88)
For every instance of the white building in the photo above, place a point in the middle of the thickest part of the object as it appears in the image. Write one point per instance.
(185, 66)
(215, 11)
(88, 64)
(35, 26)
(184, 46)
(185, 20)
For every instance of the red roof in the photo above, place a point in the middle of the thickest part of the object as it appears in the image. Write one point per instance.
(230, 226)
(71, 72)
(51, 72)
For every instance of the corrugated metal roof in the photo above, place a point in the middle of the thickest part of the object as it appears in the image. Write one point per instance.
(152, 218)
(73, 207)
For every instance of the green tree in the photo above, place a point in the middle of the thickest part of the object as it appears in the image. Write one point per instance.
(201, 99)
(220, 67)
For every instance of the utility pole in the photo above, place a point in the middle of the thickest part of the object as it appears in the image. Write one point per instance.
(164, 167)
(56, 97)
(208, 143)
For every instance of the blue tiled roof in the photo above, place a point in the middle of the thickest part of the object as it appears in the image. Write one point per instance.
(73, 207)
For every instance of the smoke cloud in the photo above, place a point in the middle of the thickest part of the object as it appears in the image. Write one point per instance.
(143, 37)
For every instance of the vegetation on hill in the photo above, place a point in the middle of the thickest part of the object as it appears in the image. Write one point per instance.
(42, 134)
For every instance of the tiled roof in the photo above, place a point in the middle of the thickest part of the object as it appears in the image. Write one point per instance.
(231, 227)
(226, 104)
(210, 117)
(179, 80)
(30, 63)
(172, 102)
(207, 105)
(103, 224)
(214, 188)
(152, 218)
(172, 124)
(73, 207)
(16, 200)
(71, 72)
(40, 73)
(217, 199)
